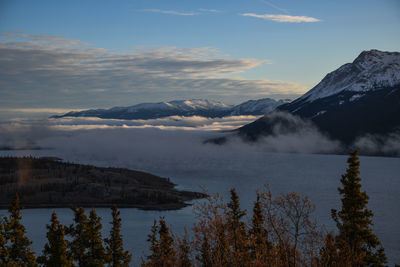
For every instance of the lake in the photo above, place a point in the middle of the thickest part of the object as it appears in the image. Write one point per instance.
(317, 176)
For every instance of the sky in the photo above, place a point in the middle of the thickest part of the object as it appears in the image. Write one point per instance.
(61, 55)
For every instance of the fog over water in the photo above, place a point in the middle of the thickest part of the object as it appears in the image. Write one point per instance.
(179, 153)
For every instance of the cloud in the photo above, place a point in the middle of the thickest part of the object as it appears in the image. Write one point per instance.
(388, 144)
(39, 110)
(285, 132)
(154, 139)
(19, 135)
(27, 133)
(282, 18)
(206, 10)
(197, 123)
(288, 134)
(32, 134)
(171, 12)
(47, 71)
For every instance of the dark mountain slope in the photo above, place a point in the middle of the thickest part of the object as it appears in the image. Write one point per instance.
(359, 98)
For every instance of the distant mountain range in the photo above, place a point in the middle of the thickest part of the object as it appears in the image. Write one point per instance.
(195, 107)
(359, 98)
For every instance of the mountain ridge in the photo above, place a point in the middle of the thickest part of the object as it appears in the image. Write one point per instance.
(371, 70)
(193, 107)
(358, 99)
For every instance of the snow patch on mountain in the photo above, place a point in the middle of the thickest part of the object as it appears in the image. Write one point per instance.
(355, 97)
(194, 104)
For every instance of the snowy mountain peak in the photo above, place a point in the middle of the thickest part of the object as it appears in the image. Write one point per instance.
(193, 107)
(371, 70)
(375, 59)
(195, 104)
(259, 106)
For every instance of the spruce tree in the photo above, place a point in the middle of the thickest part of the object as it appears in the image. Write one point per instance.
(18, 250)
(95, 256)
(4, 254)
(354, 220)
(184, 250)
(259, 244)
(161, 248)
(237, 229)
(78, 233)
(55, 251)
(116, 256)
(258, 231)
(154, 246)
(329, 256)
(166, 243)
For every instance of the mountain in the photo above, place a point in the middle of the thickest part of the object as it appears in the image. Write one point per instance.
(359, 98)
(257, 107)
(195, 107)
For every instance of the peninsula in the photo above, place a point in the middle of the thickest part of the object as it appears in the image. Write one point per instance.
(48, 182)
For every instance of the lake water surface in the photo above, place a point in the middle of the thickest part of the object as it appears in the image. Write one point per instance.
(317, 176)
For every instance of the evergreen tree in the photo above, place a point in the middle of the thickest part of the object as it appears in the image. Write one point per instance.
(183, 251)
(78, 233)
(161, 248)
(18, 251)
(235, 212)
(258, 231)
(116, 256)
(95, 256)
(55, 251)
(259, 244)
(154, 246)
(354, 220)
(166, 243)
(4, 255)
(237, 229)
(329, 256)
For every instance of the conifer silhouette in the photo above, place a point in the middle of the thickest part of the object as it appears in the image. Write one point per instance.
(116, 255)
(55, 250)
(354, 220)
(18, 250)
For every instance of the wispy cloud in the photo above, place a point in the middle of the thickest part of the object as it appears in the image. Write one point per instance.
(206, 10)
(39, 110)
(171, 12)
(282, 18)
(34, 72)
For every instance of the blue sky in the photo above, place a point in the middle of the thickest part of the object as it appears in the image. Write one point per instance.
(140, 51)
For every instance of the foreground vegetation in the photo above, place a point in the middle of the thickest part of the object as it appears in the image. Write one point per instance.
(280, 232)
(48, 182)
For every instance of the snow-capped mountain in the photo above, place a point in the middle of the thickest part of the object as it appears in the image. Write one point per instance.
(371, 70)
(195, 107)
(257, 107)
(362, 97)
